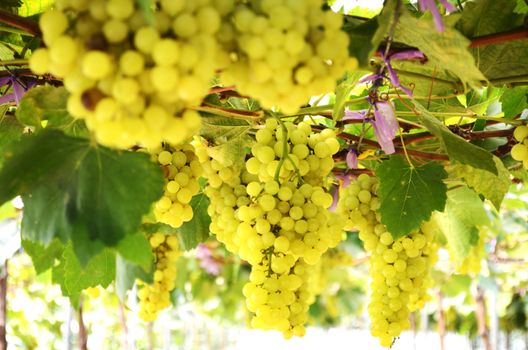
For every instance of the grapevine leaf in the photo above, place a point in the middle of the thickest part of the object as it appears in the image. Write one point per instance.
(455, 284)
(459, 222)
(136, 249)
(343, 90)
(366, 36)
(49, 103)
(514, 101)
(456, 147)
(492, 187)
(158, 227)
(75, 190)
(73, 278)
(196, 230)
(9, 239)
(43, 257)
(447, 50)
(41, 103)
(486, 17)
(223, 129)
(10, 131)
(126, 275)
(521, 7)
(408, 195)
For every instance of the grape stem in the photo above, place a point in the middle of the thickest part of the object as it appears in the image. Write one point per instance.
(27, 25)
(284, 154)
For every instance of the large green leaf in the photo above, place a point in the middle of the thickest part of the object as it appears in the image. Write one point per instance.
(136, 249)
(196, 230)
(43, 257)
(408, 195)
(456, 147)
(502, 60)
(459, 222)
(73, 278)
(73, 189)
(447, 50)
(514, 101)
(492, 187)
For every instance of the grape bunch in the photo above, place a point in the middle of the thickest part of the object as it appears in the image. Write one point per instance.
(273, 214)
(132, 81)
(156, 296)
(181, 170)
(286, 226)
(520, 150)
(399, 268)
(284, 52)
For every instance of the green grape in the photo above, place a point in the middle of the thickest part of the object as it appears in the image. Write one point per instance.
(155, 297)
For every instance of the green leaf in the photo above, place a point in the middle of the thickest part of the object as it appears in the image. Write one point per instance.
(136, 249)
(10, 131)
(455, 284)
(492, 187)
(342, 92)
(73, 278)
(196, 230)
(126, 275)
(447, 50)
(408, 195)
(42, 103)
(43, 257)
(49, 103)
(459, 222)
(514, 101)
(365, 37)
(456, 147)
(521, 7)
(498, 61)
(158, 227)
(73, 189)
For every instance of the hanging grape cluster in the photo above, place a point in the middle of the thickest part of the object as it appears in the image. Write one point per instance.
(275, 216)
(284, 52)
(132, 81)
(155, 297)
(399, 268)
(181, 170)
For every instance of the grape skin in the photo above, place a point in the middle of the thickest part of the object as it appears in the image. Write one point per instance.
(520, 150)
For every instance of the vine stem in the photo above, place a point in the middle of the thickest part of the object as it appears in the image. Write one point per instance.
(515, 34)
(27, 25)
(463, 114)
